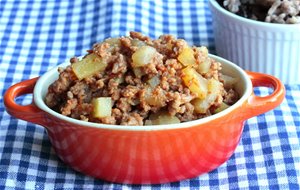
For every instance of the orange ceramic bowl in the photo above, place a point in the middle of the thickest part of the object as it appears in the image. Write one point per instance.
(147, 154)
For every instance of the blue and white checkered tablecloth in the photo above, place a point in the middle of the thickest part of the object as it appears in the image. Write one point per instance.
(36, 35)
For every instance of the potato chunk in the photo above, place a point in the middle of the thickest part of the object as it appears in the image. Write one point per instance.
(143, 56)
(222, 107)
(138, 43)
(154, 96)
(161, 118)
(114, 42)
(214, 89)
(102, 107)
(202, 59)
(195, 82)
(89, 65)
(165, 119)
(204, 66)
(138, 72)
(203, 50)
(154, 81)
(229, 81)
(186, 57)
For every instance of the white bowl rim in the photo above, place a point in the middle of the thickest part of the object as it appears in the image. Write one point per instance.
(39, 102)
(262, 24)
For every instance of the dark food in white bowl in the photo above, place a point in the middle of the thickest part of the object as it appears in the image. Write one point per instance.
(274, 11)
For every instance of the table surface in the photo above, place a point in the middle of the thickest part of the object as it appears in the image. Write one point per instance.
(38, 35)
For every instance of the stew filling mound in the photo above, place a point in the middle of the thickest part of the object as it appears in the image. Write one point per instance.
(134, 80)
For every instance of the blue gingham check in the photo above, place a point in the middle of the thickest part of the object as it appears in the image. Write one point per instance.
(37, 35)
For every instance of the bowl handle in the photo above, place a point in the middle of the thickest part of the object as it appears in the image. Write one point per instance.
(257, 105)
(29, 112)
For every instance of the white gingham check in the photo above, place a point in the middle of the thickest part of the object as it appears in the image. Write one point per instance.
(37, 35)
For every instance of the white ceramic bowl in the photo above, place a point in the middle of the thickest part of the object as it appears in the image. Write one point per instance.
(257, 46)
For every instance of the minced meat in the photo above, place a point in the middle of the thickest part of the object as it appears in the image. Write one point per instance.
(141, 94)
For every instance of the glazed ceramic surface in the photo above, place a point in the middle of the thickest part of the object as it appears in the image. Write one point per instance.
(147, 154)
(257, 46)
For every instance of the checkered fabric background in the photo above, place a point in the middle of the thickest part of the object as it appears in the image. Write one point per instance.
(36, 35)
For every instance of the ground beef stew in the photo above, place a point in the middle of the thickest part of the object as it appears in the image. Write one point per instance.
(134, 80)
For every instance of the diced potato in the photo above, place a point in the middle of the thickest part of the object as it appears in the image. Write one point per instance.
(214, 86)
(113, 42)
(186, 57)
(161, 118)
(102, 107)
(155, 115)
(138, 72)
(214, 89)
(203, 50)
(200, 105)
(229, 81)
(204, 66)
(222, 107)
(165, 119)
(88, 66)
(143, 56)
(154, 81)
(203, 61)
(152, 96)
(138, 43)
(195, 82)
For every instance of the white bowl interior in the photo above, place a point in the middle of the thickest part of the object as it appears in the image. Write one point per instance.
(243, 87)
